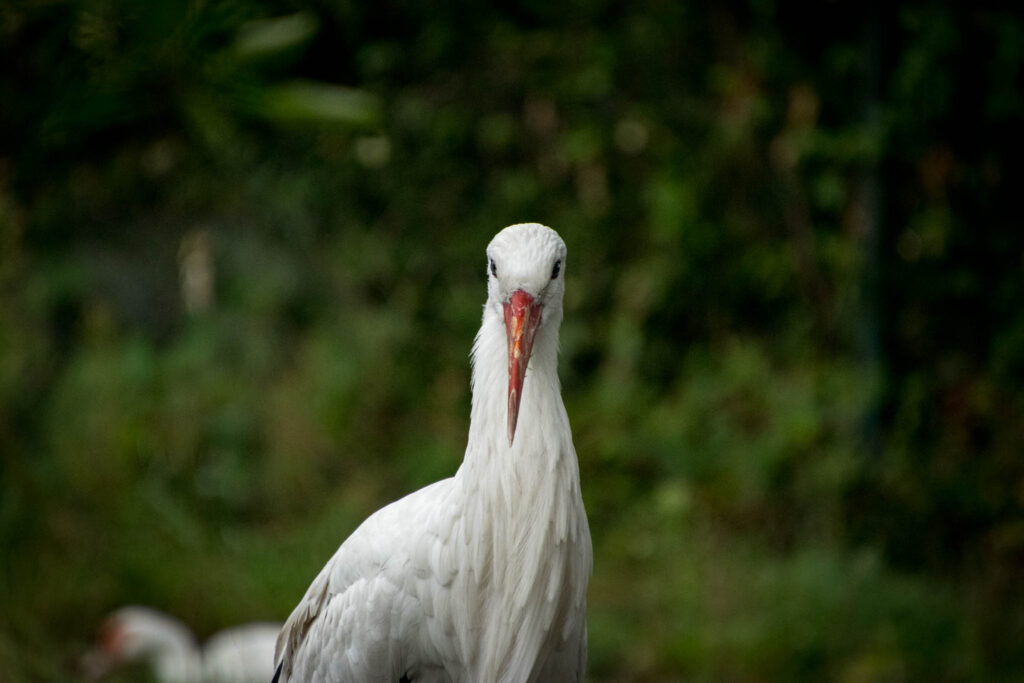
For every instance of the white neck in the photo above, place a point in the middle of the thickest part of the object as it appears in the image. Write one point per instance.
(543, 439)
(177, 666)
(524, 512)
(174, 656)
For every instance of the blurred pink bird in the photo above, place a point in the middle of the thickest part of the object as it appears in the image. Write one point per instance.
(134, 634)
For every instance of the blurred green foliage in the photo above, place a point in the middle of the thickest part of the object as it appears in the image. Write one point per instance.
(241, 265)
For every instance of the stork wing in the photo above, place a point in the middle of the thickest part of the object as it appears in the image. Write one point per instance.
(358, 617)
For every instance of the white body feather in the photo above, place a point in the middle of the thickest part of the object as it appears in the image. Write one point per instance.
(483, 576)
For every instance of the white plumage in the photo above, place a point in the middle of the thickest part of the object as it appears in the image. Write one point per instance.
(483, 576)
(241, 654)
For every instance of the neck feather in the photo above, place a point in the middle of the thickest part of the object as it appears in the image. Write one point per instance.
(524, 515)
(177, 660)
(543, 435)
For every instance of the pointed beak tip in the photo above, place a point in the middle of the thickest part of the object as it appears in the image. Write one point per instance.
(513, 414)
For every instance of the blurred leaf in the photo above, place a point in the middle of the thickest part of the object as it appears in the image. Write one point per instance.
(264, 37)
(312, 102)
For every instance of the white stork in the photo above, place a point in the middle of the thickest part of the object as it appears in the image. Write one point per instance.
(240, 654)
(481, 577)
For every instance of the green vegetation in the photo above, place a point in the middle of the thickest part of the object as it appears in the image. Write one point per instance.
(241, 265)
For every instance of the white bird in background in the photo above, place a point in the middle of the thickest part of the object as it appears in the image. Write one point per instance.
(481, 577)
(134, 634)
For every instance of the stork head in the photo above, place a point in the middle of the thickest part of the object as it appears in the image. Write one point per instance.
(135, 634)
(525, 278)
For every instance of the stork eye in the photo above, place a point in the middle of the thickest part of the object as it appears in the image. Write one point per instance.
(557, 267)
(494, 268)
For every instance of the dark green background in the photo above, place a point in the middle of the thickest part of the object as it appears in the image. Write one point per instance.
(793, 352)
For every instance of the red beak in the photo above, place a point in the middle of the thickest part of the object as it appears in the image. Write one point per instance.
(522, 318)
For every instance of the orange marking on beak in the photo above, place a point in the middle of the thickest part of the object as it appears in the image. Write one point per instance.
(522, 318)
